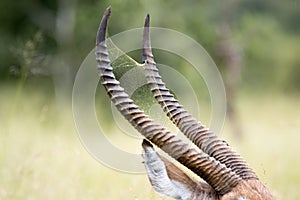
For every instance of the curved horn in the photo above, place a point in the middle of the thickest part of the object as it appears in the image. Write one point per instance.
(189, 126)
(221, 178)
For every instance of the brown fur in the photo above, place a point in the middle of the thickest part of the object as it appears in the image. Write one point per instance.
(250, 190)
(175, 173)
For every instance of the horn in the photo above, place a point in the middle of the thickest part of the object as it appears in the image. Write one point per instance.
(188, 125)
(220, 177)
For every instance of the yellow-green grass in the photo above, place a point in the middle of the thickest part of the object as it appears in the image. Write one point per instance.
(41, 156)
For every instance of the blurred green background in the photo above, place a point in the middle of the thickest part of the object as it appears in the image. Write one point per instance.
(43, 43)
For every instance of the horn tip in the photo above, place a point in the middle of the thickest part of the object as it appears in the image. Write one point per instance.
(146, 40)
(102, 27)
(108, 11)
(147, 20)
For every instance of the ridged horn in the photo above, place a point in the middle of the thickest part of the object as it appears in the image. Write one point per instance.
(221, 178)
(188, 125)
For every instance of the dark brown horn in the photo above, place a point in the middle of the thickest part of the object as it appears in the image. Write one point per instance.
(221, 178)
(146, 51)
(189, 126)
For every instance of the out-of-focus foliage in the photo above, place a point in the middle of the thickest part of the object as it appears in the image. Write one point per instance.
(43, 43)
(270, 53)
(267, 31)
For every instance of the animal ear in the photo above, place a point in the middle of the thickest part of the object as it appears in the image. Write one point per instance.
(169, 180)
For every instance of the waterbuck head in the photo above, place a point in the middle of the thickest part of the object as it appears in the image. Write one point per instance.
(226, 175)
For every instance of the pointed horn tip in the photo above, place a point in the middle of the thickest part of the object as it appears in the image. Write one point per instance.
(102, 27)
(107, 11)
(147, 20)
(146, 40)
(146, 144)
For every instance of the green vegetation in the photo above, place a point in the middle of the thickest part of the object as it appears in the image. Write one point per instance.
(41, 156)
(44, 42)
(267, 32)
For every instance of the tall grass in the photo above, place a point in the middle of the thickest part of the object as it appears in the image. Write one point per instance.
(41, 156)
